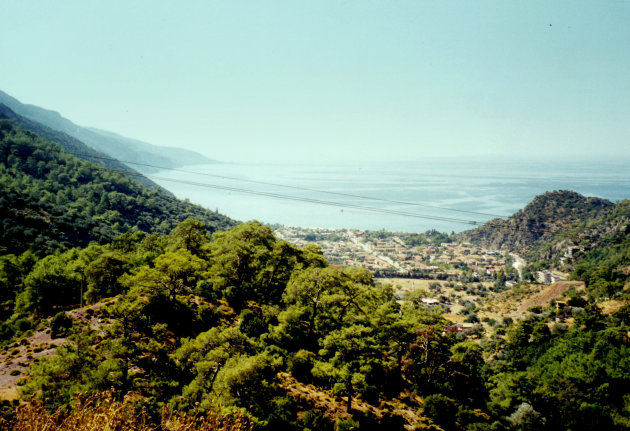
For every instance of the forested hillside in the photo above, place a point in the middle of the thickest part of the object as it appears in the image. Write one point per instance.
(546, 220)
(269, 331)
(75, 146)
(51, 200)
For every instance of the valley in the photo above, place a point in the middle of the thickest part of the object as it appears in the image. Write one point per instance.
(120, 301)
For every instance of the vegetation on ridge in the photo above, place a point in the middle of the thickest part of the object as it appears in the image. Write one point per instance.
(52, 201)
(75, 146)
(545, 219)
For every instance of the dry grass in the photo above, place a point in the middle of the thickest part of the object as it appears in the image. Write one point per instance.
(611, 306)
(554, 291)
(323, 403)
(319, 401)
(101, 412)
(18, 357)
(516, 302)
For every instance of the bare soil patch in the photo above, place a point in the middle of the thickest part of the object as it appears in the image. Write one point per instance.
(17, 357)
(553, 291)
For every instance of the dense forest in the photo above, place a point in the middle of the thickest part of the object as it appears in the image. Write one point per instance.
(74, 146)
(51, 200)
(168, 316)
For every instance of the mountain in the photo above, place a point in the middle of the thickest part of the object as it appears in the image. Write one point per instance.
(76, 147)
(548, 218)
(51, 200)
(142, 156)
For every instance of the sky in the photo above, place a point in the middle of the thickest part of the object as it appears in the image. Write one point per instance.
(299, 81)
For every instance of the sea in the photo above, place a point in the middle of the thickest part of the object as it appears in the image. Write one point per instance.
(448, 195)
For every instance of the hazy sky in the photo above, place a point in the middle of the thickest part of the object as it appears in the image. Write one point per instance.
(317, 80)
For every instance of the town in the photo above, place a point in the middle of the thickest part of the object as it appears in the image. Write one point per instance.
(388, 254)
(474, 287)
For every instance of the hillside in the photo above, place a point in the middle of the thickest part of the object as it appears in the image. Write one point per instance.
(269, 331)
(548, 218)
(52, 200)
(76, 147)
(116, 146)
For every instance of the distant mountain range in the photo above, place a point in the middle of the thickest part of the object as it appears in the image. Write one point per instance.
(142, 156)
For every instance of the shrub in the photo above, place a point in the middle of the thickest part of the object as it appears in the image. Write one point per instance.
(536, 309)
(6, 331)
(346, 424)
(251, 324)
(441, 409)
(60, 324)
(300, 365)
(23, 324)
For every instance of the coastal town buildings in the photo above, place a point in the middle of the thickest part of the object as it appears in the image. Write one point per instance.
(392, 255)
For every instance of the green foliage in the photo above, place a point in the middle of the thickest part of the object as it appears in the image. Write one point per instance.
(251, 323)
(50, 200)
(59, 377)
(349, 352)
(194, 323)
(204, 357)
(430, 237)
(60, 324)
(54, 280)
(102, 276)
(173, 273)
(441, 409)
(190, 235)
(249, 264)
(13, 270)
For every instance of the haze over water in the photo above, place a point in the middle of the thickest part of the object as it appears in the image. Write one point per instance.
(497, 188)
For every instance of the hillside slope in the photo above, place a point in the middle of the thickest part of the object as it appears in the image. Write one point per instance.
(51, 200)
(76, 147)
(116, 146)
(545, 219)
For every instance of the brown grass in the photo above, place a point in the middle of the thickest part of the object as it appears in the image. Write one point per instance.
(322, 402)
(609, 307)
(102, 412)
(554, 291)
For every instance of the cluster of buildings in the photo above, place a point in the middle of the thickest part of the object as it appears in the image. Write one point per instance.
(390, 252)
(549, 277)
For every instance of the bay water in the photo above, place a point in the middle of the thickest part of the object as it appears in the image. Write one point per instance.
(446, 195)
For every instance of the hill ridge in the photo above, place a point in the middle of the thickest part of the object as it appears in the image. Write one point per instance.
(76, 147)
(112, 144)
(547, 215)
